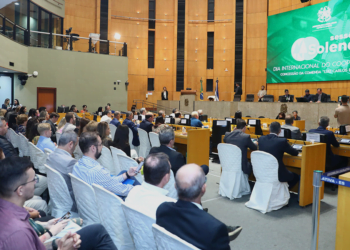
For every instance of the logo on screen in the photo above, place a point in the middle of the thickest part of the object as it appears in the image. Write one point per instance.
(324, 14)
(301, 48)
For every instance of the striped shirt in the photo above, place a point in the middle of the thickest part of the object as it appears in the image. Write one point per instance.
(90, 171)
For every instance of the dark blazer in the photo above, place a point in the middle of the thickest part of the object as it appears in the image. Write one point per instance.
(115, 122)
(323, 97)
(177, 160)
(132, 126)
(146, 125)
(53, 129)
(331, 140)
(308, 97)
(167, 96)
(187, 221)
(277, 146)
(243, 141)
(238, 91)
(7, 147)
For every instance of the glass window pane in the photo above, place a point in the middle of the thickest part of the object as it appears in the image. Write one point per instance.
(34, 18)
(44, 26)
(19, 35)
(9, 29)
(56, 29)
(16, 11)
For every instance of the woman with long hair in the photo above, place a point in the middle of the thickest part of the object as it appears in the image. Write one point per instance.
(6, 104)
(82, 124)
(103, 130)
(121, 139)
(31, 128)
(16, 104)
(33, 113)
(61, 124)
(23, 110)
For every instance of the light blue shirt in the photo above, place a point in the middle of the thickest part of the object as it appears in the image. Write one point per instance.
(90, 171)
(45, 142)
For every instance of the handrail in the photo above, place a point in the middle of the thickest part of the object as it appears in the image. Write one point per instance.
(154, 105)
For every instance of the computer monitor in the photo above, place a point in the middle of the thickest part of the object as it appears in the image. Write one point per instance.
(136, 117)
(315, 137)
(60, 110)
(169, 120)
(187, 116)
(66, 109)
(285, 133)
(203, 118)
(185, 122)
(231, 120)
(301, 99)
(253, 122)
(220, 127)
(344, 129)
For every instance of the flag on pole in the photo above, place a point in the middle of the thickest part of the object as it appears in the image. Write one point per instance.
(217, 90)
(201, 96)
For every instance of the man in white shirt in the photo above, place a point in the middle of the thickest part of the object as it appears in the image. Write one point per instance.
(150, 194)
(70, 125)
(107, 117)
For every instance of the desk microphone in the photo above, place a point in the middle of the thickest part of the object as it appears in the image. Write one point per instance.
(304, 143)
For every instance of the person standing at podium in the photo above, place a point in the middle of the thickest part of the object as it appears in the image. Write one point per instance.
(164, 94)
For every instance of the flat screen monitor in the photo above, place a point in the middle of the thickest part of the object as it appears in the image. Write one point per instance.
(185, 122)
(254, 122)
(187, 116)
(344, 129)
(231, 120)
(285, 133)
(315, 137)
(167, 120)
(136, 117)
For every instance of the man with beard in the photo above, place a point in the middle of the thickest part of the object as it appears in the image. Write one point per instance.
(90, 171)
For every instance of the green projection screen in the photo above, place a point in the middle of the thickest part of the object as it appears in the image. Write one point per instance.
(310, 44)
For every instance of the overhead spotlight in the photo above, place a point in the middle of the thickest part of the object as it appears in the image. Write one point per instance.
(16, 3)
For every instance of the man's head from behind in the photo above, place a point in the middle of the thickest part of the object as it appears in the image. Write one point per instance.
(190, 182)
(129, 115)
(68, 141)
(275, 128)
(17, 179)
(44, 129)
(177, 115)
(161, 113)
(149, 116)
(70, 118)
(195, 114)
(44, 114)
(241, 124)
(289, 119)
(156, 169)
(3, 126)
(324, 121)
(200, 112)
(167, 136)
(344, 99)
(90, 144)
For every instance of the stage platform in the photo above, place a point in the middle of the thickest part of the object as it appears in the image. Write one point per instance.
(310, 112)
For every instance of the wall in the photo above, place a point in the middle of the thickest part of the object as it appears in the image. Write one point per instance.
(13, 52)
(54, 6)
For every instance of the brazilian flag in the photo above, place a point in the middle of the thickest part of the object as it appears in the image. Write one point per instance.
(201, 96)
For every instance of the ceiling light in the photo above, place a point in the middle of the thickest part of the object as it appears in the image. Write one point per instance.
(16, 3)
(116, 36)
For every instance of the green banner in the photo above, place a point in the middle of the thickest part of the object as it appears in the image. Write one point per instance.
(310, 44)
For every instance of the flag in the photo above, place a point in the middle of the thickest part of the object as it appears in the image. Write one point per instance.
(201, 96)
(217, 90)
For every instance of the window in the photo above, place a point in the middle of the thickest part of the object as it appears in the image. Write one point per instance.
(57, 28)
(152, 14)
(150, 84)
(16, 11)
(150, 49)
(210, 51)
(211, 4)
(210, 85)
(104, 49)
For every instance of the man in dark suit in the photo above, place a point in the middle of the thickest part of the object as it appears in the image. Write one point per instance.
(332, 161)
(147, 124)
(177, 160)
(128, 122)
(115, 121)
(186, 218)
(53, 119)
(320, 97)
(277, 146)
(307, 96)
(238, 89)
(164, 94)
(286, 96)
(239, 138)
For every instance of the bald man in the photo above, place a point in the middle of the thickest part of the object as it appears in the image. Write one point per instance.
(186, 217)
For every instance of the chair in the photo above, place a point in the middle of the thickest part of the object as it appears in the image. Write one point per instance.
(170, 186)
(58, 136)
(261, 116)
(23, 145)
(38, 158)
(60, 199)
(168, 241)
(233, 182)
(112, 217)
(77, 152)
(145, 145)
(249, 98)
(140, 226)
(127, 162)
(154, 138)
(268, 193)
(113, 128)
(106, 160)
(115, 152)
(47, 151)
(13, 138)
(85, 198)
(237, 98)
(268, 98)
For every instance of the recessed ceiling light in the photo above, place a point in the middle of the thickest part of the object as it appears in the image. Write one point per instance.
(16, 3)
(5, 71)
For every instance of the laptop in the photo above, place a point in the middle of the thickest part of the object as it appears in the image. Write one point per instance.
(344, 141)
(301, 99)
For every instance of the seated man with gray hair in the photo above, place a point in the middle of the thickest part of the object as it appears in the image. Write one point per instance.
(194, 120)
(116, 118)
(62, 161)
(289, 120)
(44, 129)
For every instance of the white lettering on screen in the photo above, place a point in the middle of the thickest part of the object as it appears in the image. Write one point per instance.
(221, 123)
(311, 136)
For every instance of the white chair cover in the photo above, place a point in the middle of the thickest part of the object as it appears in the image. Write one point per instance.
(170, 186)
(113, 128)
(126, 162)
(233, 182)
(85, 198)
(168, 241)
(140, 226)
(131, 137)
(154, 138)
(58, 136)
(77, 152)
(47, 151)
(112, 217)
(23, 145)
(13, 136)
(106, 160)
(268, 193)
(115, 152)
(145, 145)
(60, 199)
(38, 158)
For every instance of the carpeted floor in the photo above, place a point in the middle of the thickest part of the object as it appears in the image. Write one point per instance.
(289, 228)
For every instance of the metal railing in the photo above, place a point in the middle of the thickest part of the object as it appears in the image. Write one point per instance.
(153, 107)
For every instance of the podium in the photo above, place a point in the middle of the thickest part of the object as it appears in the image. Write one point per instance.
(187, 99)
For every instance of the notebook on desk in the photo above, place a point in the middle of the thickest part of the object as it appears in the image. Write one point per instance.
(298, 147)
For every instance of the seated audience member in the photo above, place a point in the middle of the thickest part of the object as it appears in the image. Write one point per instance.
(161, 113)
(107, 117)
(82, 124)
(74, 110)
(44, 141)
(277, 146)
(16, 104)
(23, 110)
(147, 124)
(159, 124)
(281, 116)
(342, 113)
(296, 135)
(35, 133)
(6, 104)
(261, 93)
(3, 112)
(33, 113)
(52, 121)
(5, 145)
(61, 124)
(17, 110)
(239, 138)
(128, 122)
(143, 111)
(17, 180)
(332, 161)
(29, 127)
(103, 130)
(288, 97)
(62, 161)
(177, 118)
(44, 114)
(107, 108)
(22, 124)
(84, 110)
(121, 139)
(176, 159)
(307, 95)
(320, 97)
(90, 171)
(150, 194)
(187, 219)
(42, 109)
(194, 120)
(91, 127)
(99, 111)
(116, 118)
(70, 122)
(295, 115)
(173, 113)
